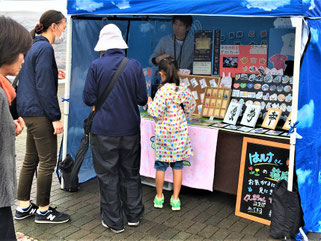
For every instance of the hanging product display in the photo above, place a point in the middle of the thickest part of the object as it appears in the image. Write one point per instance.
(269, 91)
(272, 118)
(233, 113)
(197, 84)
(251, 115)
(216, 102)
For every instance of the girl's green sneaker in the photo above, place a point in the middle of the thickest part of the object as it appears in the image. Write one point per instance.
(176, 204)
(158, 202)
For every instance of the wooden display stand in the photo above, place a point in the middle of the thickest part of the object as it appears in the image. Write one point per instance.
(197, 84)
(216, 102)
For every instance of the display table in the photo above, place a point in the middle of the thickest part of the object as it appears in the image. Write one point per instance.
(200, 173)
(228, 157)
(216, 160)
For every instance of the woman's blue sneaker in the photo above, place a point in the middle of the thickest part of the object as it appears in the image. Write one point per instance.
(22, 213)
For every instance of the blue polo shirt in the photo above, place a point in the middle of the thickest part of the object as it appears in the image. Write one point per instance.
(119, 115)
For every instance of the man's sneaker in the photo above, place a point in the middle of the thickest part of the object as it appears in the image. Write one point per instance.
(133, 224)
(22, 213)
(176, 204)
(111, 229)
(158, 202)
(51, 216)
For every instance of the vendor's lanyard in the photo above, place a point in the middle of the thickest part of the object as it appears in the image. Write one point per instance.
(179, 60)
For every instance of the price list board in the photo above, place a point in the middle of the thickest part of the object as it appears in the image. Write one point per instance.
(263, 164)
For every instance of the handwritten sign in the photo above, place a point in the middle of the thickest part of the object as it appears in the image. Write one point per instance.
(263, 164)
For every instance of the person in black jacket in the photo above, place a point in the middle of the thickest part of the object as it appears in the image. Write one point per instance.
(115, 132)
(37, 103)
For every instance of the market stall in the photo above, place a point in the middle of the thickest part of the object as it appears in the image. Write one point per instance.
(257, 37)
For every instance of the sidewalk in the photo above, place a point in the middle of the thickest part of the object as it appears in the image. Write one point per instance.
(204, 215)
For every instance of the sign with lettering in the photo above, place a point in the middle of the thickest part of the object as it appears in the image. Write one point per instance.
(263, 164)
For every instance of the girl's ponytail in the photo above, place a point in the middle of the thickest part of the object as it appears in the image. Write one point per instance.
(169, 67)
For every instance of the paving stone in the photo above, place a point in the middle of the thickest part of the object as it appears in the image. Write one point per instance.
(66, 232)
(54, 238)
(182, 236)
(238, 226)
(208, 231)
(226, 223)
(57, 228)
(225, 212)
(35, 233)
(121, 236)
(221, 234)
(156, 230)
(25, 229)
(98, 229)
(202, 217)
(136, 236)
(249, 238)
(190, 215)
(20, 224)
(235, 236)
(214, 220)
(263, 233)
(78, 235)
(144, 227)
(168, 234)
(173, 220)
(195, 238)
(252, 229)
(162, 218)
(148, 238)
(47, 236)
(92, 224)
(215, 208)
(152, 215)
(195, 228)
(80, 222)
(184, 225)
(61, 201)
(90, 236)
(247, 221)
(87, 209)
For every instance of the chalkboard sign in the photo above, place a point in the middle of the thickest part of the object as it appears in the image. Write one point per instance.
(263, 164)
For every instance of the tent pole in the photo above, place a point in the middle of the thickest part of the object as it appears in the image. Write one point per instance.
(67, 94)
(297, 23)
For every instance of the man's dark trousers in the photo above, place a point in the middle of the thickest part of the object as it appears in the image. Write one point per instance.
(117, 162)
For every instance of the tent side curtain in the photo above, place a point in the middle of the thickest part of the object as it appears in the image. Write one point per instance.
(308, 149)
(200, 7)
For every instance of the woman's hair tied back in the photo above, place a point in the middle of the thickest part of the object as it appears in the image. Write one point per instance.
(39, 28)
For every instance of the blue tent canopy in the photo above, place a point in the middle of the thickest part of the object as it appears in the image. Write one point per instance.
(308, 154)
(275, 8)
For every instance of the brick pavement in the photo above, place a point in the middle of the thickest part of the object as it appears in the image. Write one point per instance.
(204, 215)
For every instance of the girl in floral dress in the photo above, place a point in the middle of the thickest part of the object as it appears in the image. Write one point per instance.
(171, 105)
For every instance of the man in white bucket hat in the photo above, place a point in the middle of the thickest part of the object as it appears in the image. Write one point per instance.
(110, 37)
(115, 131)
